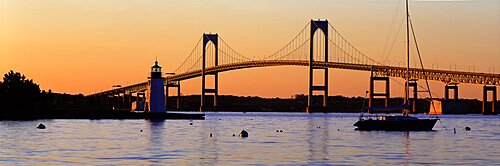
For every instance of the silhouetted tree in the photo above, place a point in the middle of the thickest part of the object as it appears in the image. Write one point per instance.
(18, 93)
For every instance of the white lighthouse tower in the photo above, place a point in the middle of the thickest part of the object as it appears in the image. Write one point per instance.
(156, 90)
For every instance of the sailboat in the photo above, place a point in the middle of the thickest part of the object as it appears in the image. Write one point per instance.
(403, 122)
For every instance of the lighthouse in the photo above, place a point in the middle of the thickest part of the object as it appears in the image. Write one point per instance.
(156, 90)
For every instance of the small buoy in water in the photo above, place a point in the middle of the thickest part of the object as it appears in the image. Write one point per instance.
(454, 131)
(277, 131)
(140, 130)
(41, 126)
(338, 129)
(191, 123)
(210, 134)
(281, 131)
(467, 128)
(243, 133)
(220, 119)
(251, 119)
(234, 135)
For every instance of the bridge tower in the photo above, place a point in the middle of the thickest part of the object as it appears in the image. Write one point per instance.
(323, 26)
(156, 90)
(214, 38)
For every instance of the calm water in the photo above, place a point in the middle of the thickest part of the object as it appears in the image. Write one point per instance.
(302, 142)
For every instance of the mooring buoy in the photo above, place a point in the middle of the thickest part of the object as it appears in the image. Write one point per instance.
(41, 126)
(243, 133)
(467, 128)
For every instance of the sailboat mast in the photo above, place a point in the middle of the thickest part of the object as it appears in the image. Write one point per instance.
(407, 88)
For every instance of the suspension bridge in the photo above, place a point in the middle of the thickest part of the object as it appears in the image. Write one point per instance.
(318, 46)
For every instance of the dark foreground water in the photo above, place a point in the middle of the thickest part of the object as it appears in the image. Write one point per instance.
(307, 139)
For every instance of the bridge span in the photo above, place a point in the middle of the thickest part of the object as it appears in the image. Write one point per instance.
(445, 76)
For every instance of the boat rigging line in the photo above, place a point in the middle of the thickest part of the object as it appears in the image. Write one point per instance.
(423, 70)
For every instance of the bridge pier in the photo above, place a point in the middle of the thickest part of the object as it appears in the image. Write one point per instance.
(141, 98)
(122, 99)
(137, 99)
(214, 38)
(447, 88)
(129, 100)
(178, 98)
(385, 94)
(323, 26)
(412, 101)
(116, 100)
(178, 104)
(107, 100)
(126, 100)
(452, 105)
(487, 89)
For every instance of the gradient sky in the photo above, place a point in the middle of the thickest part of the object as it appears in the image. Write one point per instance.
(85, 46)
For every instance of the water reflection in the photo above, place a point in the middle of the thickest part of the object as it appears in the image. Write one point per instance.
(155, 149)
(156, 127)
(318, 133)
(406, 147)
(209, 154)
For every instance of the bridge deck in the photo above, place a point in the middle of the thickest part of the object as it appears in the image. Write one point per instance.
(379, 70)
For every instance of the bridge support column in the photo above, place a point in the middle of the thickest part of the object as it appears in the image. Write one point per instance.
(166, 95)
(122, 100)
(178, 104)
(109, 101)
(323, 26)
(452, 105)
(178, 98)
(413, 100)
(126, 100)
(214, 38)
(486, 89)
(447, 89)
(386, 94)
(115, 101)
(129, 99)
(142, 96)
(137, 99)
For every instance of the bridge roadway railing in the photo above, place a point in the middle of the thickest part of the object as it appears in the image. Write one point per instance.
(379, 70)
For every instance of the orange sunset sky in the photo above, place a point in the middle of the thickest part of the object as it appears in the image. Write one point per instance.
(85, 46)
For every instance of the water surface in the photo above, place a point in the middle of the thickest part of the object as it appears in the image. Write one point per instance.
(307, 139)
